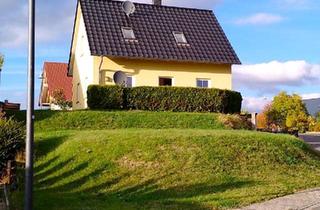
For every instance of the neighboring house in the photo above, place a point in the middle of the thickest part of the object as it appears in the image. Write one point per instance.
(313, 106)
(6, 106)
(54, 77)
(155, 46)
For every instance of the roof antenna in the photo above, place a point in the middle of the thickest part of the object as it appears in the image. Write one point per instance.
(128, 7)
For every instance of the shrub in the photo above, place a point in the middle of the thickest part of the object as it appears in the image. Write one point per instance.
(60, 99)
(12, 137)
(105, 97)
(164, 99)
(235, 122)
(314, 124)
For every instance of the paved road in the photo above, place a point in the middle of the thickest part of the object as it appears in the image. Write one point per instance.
(307, 200)
(312, 139)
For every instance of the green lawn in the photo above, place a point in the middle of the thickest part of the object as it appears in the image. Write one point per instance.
(56, 120)
(177, 168)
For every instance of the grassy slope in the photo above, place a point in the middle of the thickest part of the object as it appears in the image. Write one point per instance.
(167, 168)
(50, 120)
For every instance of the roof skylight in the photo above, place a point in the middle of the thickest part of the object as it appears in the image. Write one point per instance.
(180, 37)
(128, 33)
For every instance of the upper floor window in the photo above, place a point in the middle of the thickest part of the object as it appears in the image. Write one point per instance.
(203, 83)
(128, 33)
(180, 37)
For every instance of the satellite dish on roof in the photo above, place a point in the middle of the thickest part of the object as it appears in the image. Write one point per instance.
(120, 78)
(128, 7)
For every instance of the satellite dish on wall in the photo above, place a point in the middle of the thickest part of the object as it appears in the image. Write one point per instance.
(120, 78)
(128, 7)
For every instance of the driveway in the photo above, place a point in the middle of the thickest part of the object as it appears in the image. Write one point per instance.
(313, 139)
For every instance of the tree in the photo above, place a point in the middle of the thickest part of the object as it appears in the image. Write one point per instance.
(318, 116)
(1, 61)
(262, 118)
(59, 99)
(288, 112)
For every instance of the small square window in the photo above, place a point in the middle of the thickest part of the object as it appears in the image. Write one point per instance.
(202, 83)
(180, 37)
(128, 33)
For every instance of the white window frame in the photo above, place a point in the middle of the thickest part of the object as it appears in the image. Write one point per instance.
(133, 80)
(127, 29)
(203, 79)
(178, 33)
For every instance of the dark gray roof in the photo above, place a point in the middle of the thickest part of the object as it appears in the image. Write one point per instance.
(313, 105)
(153, 27)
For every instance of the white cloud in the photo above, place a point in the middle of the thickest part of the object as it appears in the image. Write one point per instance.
(310, 96)
(255, 104)
(51, 24)
(259, 19)
(273, 76)
(54, 25)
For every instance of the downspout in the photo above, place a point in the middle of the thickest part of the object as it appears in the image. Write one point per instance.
(101, 62)
(100, 68)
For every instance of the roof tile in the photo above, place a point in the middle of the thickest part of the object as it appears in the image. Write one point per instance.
(153, 27)
(57, 78)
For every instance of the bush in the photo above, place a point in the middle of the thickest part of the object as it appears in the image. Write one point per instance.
(59, 98)
(12, 137)
(235, 122)
(105, 97)
(164, 99)
(287, 112)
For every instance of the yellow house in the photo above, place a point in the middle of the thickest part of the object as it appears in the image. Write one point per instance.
(152, 44)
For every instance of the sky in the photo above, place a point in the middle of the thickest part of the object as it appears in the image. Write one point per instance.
(276, 40)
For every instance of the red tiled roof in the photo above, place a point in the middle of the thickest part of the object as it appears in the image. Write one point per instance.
(56, 75)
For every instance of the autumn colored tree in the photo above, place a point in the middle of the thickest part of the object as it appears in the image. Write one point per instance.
(318, 117)
(288, 112)
(262, 118)
(59, 99)
(1, 61)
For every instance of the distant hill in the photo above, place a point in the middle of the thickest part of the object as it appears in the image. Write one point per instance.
(313, 105)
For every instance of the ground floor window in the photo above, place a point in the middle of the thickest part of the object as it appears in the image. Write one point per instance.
(129, 82)
(165, 81)
(203, 83)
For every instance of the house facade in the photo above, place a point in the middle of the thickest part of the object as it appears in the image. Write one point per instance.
(154, 46)
(54, 78)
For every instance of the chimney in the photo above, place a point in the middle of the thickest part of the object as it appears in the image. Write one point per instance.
(157, 2)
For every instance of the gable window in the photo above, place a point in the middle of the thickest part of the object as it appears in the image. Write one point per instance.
(203, 83)
(129, 82)
(128, 33)
(180, 37)
(165, 81)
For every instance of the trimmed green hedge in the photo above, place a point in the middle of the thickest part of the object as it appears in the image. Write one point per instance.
(105, 97)
(164, 99)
